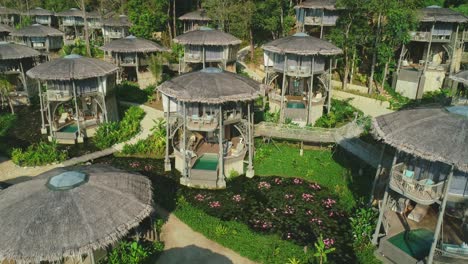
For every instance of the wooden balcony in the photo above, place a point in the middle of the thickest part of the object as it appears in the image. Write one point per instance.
(425, 36)
(422, 191)
(231, 117)
(56, 95)
(193, 57)
(202, 123)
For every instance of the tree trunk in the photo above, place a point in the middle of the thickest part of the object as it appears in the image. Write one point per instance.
(86, 33)
(252, 47)
(353, 66)
(374, 56)
(169, 27)
(174, 18)
(345, 74)
(11, 106)
(385, 72)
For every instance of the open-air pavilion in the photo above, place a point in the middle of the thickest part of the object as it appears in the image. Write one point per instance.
(15, 60)
(299, 66)
(209, 117)
(132, 56)
(206, 47)
(67, 214)
(424, 209)
(5, 31)
(76, 95)
(39, 37)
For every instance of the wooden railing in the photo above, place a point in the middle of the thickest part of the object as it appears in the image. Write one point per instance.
(58, 95)
(426, 36)
(417, 190)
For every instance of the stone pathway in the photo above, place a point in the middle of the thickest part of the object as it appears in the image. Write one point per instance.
(12, 173)
(183, 245)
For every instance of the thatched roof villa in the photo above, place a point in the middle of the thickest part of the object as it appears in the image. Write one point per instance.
(42, 16)
(72, 22)
(70, 80)
(39, 37)
(206, 47)
(9, 16)
(5, 31)
(428, 183)
(115, 28)
(194, 20)
(209, 117)
(316, 15)
(300, 65)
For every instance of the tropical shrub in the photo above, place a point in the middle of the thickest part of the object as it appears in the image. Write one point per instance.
(134, 252)
(342, 112)
(131, 92)
(362, 225)
(79, 48)
(38, 154)
(111, 133)
(6, 122)
(154, 145)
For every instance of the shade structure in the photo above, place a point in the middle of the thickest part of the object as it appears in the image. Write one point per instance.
(37, 30)
(11, 51)
(38, 11)
(117, 21)
(6, 28)
(435, 134)
(8, 11)
(132, 44)
(198, 15)
(207, 36)
(461, 77)
(438, 14)
(211, 85)
(302, 44)
(324, 4)
(72, 67)
(71, 211)
(75, 12)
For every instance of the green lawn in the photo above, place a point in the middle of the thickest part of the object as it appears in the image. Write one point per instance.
(283, 159)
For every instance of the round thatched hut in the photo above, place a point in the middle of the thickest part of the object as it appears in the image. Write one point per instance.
(15, 60)
(66, 213)
(132, 55)
(9, 16)
(39, 37)
(79, 95)
(194, 20)
(5, 31)
(428, 177)
(72, 22)
(208, 47)
(300, 65)
(42, 16)
(316, 16)
(209, 117)
(115, 28)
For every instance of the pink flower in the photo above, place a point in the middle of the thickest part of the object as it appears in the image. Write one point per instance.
(237, 198)
(289, 210)
(315, 186)
(148, 167)
(288, 196)
(307, 197)
(289, 235)
(297, 181)
(328, 203)
(316, 220)
(215, 204)
(264, 185)
(200, 197)
(278, 181)
(272, 211)
(134, 164)
(328, 242)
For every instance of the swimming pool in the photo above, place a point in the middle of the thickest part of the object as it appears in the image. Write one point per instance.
(206, 162)
(72, 128)
(296, 105)
(415, 243)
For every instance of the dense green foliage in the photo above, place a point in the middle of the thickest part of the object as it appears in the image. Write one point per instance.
(6, 122)
(341, 113)
(111, 133)
(134, 252)
(38, 154)
(147, 17)
(131, 92)
(79, 47)
(153, 146)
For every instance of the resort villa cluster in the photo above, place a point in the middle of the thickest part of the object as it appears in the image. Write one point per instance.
(126, 117)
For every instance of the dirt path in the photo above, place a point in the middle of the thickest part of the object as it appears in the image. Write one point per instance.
(183, 245)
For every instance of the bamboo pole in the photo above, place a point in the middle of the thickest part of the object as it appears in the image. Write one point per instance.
(77, 111)
(250, 171)
(221, 182)
(283, 89)
(311, 87)
(167, 162)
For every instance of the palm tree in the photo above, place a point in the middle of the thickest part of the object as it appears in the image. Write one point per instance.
(5, 89)
(159, 134)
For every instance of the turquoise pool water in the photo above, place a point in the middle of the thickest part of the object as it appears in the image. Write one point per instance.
(206, 162)
(69, 129)
(415, 243)
(296, 105)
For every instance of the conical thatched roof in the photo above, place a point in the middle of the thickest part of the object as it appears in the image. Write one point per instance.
(198, 15)
(75, 12)
(11, 51)
(438, 14)
(434, 134)
(71, 67)
(207, 37)
(119, 21)
(461, 77)
(37, 30)
(79, 210)
(212, 86)
(325, 4)
(39, 12)
(133, 44)
(8, 11)
(6, 28)
(302, 44)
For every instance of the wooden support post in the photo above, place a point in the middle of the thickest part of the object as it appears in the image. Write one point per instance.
(375, 238)
(311, 87)
(43, 128)
(377, 174)
(283, 88)
(167, 161)
(25, 85)
(429, 49)
(91, 256)
(440, 218)
(203, 56)
(221, 182)
(321, 24)
(184, 144)
(330, 87)
(80, 137)
(51, 132)
(250, 171)
(104, 106)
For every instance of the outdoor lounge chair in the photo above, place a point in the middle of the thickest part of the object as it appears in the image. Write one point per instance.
(400, 205)
(63, 118)
(196, 119)
(418, 213)
(238, 150)
(455, 249)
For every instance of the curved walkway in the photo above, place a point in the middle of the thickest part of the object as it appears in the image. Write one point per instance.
(13, 173)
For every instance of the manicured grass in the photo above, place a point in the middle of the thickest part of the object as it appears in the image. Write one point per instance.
(238, 237)
(283, 159)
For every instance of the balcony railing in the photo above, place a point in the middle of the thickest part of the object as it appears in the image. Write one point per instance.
(202, 123)
(56, 95)
(423, 191)
(193, 57)
(232, 116)
(426, 36)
